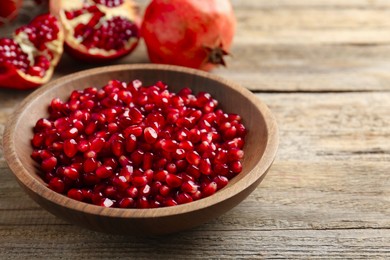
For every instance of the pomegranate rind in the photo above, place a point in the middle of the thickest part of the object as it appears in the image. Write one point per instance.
(185, 32)
(73, 47)
(13, 78)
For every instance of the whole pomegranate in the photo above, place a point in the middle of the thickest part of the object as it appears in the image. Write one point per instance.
(191, 33)
(98, 30)
(28, 60)
(9, 10)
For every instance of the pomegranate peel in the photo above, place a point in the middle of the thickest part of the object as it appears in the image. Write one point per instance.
(192, 33)
(29, 59)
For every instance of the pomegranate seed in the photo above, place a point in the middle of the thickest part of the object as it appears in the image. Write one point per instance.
(131, 143)
(137, 157)
(210, 189)
(139, 181)
(182, 198)
(236, 166)
(143, 203)
(173, 180)
(75, 194)
(70, 147)
(132, 191)
(205, 166)
(49, 164)
(126, 203)
(221, 181)
(169, 145)
(57, 185)
(235, 154)
(150, 135)
(189, 187)
(90, 165)
(71, 173)
(104, 172)
(148, 161)
(193, 158)
(83, 146)
(134, 130)
(170, 202)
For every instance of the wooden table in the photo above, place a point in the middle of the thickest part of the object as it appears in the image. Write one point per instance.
(323, 67)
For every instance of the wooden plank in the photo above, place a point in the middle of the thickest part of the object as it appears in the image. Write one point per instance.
(35, 242)
(321, 4)
(337, 127)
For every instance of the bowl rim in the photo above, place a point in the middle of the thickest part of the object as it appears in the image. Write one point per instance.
(36, 186)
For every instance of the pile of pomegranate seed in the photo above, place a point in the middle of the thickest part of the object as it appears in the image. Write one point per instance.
(134, 146)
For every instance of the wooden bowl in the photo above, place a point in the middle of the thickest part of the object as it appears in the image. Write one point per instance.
(260, 149)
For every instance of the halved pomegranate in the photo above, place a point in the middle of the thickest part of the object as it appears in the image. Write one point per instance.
(28, 60)
(98, 30)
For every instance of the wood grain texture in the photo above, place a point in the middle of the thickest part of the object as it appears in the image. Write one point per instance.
(322, 67)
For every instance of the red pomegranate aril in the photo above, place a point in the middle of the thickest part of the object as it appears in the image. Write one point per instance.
(90, 127)
(57, 185)
(179, 154)
(181, 165)
(205, 166)
(126, 203)
(173, 181)
(134, 130)
(209, 189)
(193, 157)
(37, 140)
(169, 145)
(83, 146)
(160, 175)
(49, 164)
(104, 172)
(131, 143)
(189, 187)
(150, 135)
(221, 168)
(235, 154)
(164, 190)
(110, 192)
(236, 166)
(183, 198)
(186, 145)
(139, 181)
(90, 165)
(75, 194)
(193, 171)
(70, 147)
(169, 202)
(90, 154)
(137, 157)
(143, 203)
(117, 148)
(148, 161)
(90, 178)
(145, 190)
(132, 192)
(71, 173)
(221, 181)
